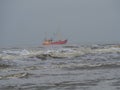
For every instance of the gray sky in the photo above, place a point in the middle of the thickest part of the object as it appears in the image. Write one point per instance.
(28, 22)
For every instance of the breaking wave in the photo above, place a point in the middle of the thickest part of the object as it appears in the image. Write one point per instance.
(67, 57)
(62, 52)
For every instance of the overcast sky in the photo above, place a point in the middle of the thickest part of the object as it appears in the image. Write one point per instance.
(28, 22)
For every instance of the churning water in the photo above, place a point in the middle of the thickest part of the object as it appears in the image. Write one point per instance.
(94, 67)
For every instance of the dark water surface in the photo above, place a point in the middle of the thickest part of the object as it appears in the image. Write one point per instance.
(95, 67)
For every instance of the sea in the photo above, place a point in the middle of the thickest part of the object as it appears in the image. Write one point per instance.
(66, 67)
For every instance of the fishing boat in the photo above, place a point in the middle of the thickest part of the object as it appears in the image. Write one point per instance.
(51, 42)
(55, 40)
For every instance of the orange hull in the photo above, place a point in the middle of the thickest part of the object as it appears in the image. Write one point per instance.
(55, 43)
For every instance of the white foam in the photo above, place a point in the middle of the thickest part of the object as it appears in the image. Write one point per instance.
(58, 52)
(24, 52)
(16, 52)
(107, 50)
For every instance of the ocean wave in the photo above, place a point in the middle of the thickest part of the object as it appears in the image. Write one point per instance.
(2, 66)
(16, 52)
(58, 52)
(90, 66)
(17, 75)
